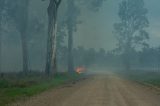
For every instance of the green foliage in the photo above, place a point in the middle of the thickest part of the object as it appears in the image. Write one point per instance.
(130, 31)
(11, 90)
(4, 84)
(148, 77)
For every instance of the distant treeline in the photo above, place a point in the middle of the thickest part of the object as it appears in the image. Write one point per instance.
(147, 59)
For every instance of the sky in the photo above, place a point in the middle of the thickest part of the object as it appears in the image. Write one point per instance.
(96, 30)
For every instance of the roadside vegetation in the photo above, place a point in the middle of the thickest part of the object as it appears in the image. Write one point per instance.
(145, 77)
(13, 88)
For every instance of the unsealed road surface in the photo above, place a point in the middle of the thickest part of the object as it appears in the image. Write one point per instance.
(100, 90)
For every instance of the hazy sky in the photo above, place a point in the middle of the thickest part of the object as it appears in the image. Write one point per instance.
(96, 30)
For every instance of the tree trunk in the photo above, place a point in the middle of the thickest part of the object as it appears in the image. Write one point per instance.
(0, 49)
(54, 51)
(70, 49)
(49, 45)
(24, 51)
(1, 15)
(23, 32)
(51, 40)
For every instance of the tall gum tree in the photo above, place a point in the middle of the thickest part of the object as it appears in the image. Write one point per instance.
(18, 12)
(2, 4)
(24, 33)
(51, 40)
(131, 30)
(72, 20)
(71, 23)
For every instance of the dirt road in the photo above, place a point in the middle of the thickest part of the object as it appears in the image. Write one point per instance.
(100, 90)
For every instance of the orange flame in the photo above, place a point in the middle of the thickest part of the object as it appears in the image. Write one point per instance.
(80, 70)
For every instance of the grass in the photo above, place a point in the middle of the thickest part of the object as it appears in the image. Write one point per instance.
(147, 77)
(18, 88)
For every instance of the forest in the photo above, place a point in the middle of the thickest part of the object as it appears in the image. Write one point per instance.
(48, 45)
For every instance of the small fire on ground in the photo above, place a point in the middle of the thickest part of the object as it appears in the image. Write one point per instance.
(80, 70)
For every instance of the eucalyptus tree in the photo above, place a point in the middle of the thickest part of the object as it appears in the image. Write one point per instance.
(131, 30)
(16, 12)
(71, 22)
(51, 40)
(2, 4)
(72, 14)
(24, 33)
(74, 9)
(20, 16)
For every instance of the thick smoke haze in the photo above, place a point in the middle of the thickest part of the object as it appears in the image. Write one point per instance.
(79, 53)
(100, 25)
(95, 31)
